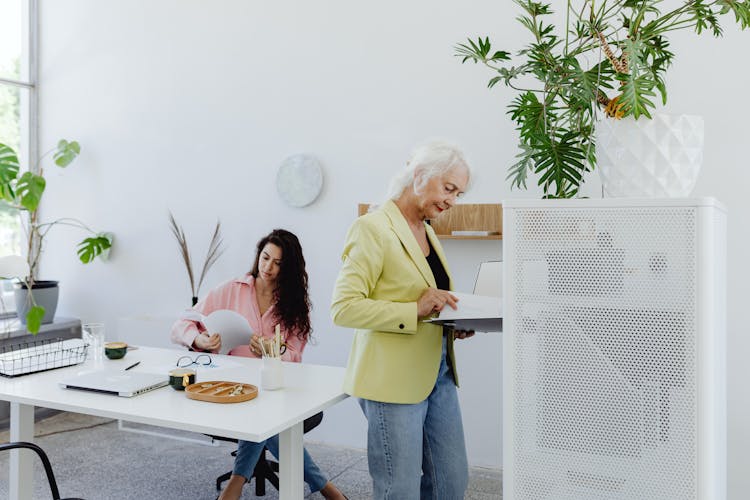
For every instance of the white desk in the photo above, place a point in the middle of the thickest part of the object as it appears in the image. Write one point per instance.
(308, 389)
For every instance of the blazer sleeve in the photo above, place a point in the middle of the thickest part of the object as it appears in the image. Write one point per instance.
(353, 305)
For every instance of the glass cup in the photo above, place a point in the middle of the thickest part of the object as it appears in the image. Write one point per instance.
(93, 335)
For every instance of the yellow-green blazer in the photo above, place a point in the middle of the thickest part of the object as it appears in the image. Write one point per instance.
(394, 357)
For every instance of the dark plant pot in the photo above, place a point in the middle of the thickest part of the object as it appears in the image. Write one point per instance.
(45, 295)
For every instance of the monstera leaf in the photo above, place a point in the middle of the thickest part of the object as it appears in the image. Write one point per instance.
(90, 248)
(66, 152)
(29, 190)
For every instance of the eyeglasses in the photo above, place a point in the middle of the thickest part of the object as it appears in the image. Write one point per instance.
(200, 359)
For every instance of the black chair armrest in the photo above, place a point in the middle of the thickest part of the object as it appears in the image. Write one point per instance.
(45, 462)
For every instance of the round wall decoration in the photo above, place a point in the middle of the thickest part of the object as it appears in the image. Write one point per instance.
(299, 180)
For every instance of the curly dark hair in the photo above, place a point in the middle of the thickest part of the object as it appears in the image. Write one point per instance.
(290, 297)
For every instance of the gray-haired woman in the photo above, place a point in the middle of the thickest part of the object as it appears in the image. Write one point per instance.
(394, 274)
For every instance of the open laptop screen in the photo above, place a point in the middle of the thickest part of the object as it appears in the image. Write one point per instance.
(489, 280)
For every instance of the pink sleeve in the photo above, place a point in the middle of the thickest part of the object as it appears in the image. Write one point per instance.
(294, 348)
(189, 326)
(185, 329)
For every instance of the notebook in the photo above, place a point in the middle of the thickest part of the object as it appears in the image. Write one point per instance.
(482, 310)
(117, 383)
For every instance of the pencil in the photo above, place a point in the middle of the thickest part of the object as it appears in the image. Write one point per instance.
(278, 340)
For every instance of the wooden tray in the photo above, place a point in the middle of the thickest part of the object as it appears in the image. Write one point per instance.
(221, 391)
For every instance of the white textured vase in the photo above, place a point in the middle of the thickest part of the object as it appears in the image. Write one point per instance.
(649, 158)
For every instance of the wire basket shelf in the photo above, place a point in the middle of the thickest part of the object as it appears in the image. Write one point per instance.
(40, 355)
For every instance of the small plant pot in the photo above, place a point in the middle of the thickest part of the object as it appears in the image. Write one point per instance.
(45, 294)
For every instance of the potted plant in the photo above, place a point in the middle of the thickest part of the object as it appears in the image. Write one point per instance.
(22, 191)
(610, 58)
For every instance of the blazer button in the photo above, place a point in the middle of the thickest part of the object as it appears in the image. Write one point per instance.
(401, 326)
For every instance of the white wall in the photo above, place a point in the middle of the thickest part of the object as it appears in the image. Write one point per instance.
(190, 106)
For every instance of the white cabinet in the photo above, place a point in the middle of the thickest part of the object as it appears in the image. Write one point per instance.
(614, 349)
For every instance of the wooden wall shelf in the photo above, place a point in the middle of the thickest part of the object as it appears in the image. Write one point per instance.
(465, 217)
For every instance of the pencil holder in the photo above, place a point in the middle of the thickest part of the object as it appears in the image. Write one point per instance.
(272, 374)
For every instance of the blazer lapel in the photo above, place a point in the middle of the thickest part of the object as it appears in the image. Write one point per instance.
(401, 228)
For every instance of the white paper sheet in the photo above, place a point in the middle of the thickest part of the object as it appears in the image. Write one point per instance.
(474, 312)
(233, 328)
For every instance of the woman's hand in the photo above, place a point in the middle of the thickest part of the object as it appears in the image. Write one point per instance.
(463, 334)
(206, 342)
(255, 341)
(433, 300)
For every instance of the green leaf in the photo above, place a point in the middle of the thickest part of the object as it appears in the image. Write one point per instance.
(560, 160)
(494, 81)
(66, 152)
(8, 164)
(500, 55)
(635, 95)
(29, 189)
(531, 115)
(90, 248)
(7, 193)
(517, 173)
(34, 319)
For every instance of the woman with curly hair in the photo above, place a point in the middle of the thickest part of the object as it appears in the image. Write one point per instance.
(274, 292)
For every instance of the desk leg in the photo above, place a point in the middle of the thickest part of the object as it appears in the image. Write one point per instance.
(291, 479)
(21, 461)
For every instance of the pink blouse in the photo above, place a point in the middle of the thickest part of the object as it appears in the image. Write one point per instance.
(239, 296)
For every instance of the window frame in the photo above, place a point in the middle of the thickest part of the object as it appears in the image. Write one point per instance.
(29, 119)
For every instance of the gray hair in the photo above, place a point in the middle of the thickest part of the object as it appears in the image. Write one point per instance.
(432, 159)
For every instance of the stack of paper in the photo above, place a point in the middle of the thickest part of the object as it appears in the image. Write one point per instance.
(475, 312)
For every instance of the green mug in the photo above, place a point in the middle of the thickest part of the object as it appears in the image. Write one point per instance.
(115, 350)
(179, 378)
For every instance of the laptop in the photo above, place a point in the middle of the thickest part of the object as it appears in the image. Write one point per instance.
(489, 279)
(117, 383)
(482, 310)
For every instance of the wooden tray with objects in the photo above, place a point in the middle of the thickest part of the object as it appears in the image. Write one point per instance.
(221, 391)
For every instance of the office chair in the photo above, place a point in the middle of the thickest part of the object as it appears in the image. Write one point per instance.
(45, 462)
(267, 469)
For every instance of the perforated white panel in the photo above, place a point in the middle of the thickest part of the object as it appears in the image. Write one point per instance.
(604, 353)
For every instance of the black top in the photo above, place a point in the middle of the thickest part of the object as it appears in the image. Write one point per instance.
(438, 271)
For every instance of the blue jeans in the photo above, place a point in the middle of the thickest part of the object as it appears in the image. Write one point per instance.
(417, 451)
(248, 454)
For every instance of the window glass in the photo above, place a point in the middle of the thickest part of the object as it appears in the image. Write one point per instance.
(11, 102)
(12, 39)
(10, 116)
(15, 119)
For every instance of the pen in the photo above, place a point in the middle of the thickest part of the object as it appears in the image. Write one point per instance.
(133, 365)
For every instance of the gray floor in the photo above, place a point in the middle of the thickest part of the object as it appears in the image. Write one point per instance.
(92, 459)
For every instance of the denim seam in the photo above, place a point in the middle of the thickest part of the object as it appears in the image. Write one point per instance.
(386, 449)
(430, 462)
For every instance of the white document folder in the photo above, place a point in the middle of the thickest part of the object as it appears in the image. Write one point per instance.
(482, 312)
(475, 312)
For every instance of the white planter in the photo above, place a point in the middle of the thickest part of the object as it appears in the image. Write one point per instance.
(649, 158)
